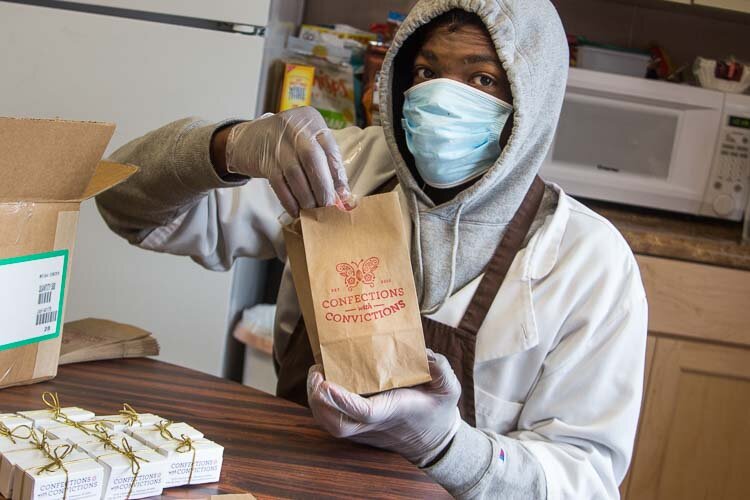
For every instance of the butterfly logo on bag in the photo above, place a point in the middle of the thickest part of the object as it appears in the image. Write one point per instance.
(358, 272)
(381, 299)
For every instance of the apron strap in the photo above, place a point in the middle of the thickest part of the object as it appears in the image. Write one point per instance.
(387, 186)
(503, 257)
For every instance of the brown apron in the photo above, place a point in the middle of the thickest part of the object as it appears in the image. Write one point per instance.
(456, 344)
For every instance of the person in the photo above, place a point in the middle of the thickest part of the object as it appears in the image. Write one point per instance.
(532, 304)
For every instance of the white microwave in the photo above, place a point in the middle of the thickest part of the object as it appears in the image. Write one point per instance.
(653, 144)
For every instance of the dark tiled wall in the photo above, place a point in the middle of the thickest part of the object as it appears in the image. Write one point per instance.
(684, 32)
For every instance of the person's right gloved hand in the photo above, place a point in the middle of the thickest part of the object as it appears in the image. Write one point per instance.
(295, 150)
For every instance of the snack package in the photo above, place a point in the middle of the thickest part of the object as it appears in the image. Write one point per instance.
(333, 92)
(357, 296)
(336, 59)
(324, 34)
(296, 86)
(374, 56)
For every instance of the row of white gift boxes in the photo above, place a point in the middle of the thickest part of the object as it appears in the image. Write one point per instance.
(71, 454)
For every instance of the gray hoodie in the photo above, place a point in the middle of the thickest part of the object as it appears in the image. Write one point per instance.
(532, 47)
(177, 174)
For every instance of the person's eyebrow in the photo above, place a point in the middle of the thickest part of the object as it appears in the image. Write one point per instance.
(429, 55)
(480, 58)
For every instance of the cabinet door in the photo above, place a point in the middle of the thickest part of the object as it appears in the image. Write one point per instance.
(693, 438)
(736, 5)
(690, 300)
(650, 346)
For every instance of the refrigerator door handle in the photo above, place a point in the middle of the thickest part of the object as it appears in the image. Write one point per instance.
(248, 29)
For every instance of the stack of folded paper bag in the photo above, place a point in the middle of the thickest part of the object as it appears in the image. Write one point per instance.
(69, 453)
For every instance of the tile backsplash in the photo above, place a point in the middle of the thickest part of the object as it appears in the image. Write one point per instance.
(683, 31)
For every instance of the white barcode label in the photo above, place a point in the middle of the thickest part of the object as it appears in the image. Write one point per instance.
(45, 293)
(31, 298)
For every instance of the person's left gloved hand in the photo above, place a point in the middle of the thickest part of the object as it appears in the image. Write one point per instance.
(417, 422)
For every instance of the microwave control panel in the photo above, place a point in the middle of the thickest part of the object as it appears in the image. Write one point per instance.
(728, 186)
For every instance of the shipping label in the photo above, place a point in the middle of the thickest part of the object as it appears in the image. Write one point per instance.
(32, 290)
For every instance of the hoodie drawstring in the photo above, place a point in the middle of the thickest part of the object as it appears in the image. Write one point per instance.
(418, 234)
(454, 256)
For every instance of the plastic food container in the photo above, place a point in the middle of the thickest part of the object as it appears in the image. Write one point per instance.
(613, 61)
(704, 70)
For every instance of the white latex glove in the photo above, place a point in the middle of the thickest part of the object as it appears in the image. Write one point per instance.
(297, 153)
(417, 422)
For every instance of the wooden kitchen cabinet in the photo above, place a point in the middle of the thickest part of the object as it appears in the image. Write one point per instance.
(692, 438)
(650, 348)
(735, 5)
(732, 5)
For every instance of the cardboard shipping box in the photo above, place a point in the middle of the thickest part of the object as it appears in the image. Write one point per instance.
(47, 168)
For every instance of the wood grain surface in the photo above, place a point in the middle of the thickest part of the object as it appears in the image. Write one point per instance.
(273, 448)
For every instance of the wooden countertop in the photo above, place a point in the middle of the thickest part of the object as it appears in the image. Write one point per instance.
(678, 236)
(273, 448)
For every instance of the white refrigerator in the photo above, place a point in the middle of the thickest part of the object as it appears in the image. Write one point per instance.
(142, 64)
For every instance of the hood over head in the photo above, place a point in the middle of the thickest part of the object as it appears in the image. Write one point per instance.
(532, 47)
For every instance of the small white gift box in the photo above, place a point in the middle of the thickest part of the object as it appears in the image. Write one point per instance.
(192, 462)
(45, 418)
(54, 412)
(70, 433)
(19, 461)
(20, 451)
(82, 479)
(11, 421)
(66, 473)
(98, 445)
(127, 419)
(15, 438)
(134, 474)
(164, 432)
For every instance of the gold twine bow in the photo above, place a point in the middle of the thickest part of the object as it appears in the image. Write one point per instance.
(12, 434)
(81, 426)
(38, 443)
(52, 402)
(35, 442)
(185, 445)
(102, 434)
(135, 465)
(131, 416)
(164, 431)
(56, 463)
(56, 458)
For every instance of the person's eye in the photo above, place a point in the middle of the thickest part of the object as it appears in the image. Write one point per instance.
(423, 73)
(483, 81)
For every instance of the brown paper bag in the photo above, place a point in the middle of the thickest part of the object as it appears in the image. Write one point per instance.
(354, 281)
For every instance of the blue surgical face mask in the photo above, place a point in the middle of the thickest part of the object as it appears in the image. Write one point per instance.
(453, 130)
